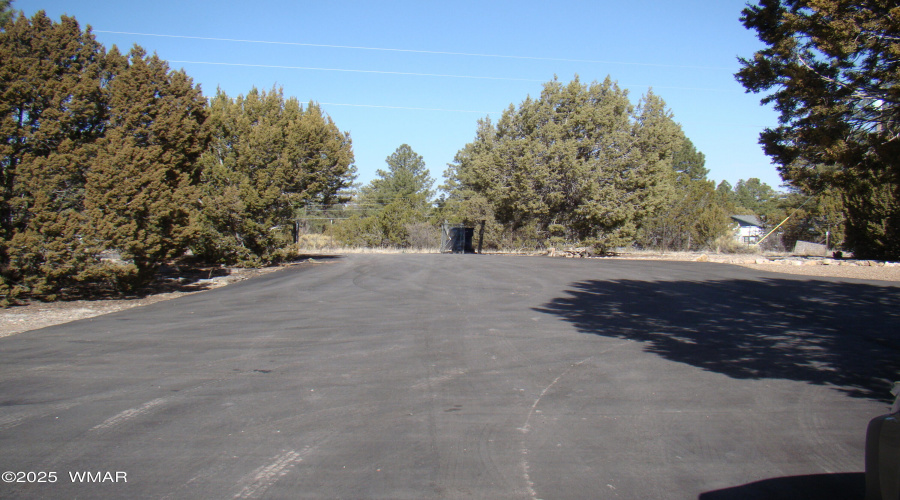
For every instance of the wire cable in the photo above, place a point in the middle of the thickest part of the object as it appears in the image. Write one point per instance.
(416, 51)
(409, 108)
(358, 71)
(438, 75)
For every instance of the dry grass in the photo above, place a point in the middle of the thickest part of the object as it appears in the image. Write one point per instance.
(321, 243)
(382, 250)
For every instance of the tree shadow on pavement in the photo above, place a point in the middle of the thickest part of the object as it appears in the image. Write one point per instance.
(836, 333)
(813, 487)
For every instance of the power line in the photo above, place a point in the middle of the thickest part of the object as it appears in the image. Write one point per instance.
(359, 71)
(438, 75)
(408, 108)
(434, 75)
(416, 51)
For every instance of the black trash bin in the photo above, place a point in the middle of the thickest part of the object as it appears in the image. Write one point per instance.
(461, 239)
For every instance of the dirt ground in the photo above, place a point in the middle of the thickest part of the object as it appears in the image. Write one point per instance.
(177, 282)
(786, 264)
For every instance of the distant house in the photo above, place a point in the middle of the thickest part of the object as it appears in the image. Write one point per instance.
(749, 228)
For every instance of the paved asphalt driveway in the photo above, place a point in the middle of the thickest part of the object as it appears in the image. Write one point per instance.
(451, 376)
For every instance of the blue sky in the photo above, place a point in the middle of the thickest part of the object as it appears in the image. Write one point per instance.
(449, 63)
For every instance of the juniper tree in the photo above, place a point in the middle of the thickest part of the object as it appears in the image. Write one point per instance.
(580, 162)
(462, 203)
(7, 13)
(268, 157)
(142, 195)
(52, 112)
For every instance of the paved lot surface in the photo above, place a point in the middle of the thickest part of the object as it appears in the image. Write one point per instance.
(449, 376)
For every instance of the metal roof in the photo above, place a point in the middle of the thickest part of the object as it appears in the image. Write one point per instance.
(748, 220)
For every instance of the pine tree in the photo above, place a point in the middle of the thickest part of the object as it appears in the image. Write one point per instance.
(406, 177)
(693, 216)
(393, 205)
(754, 197)
(831, 68)
(142, 196)
(689, 163)
(817, 218)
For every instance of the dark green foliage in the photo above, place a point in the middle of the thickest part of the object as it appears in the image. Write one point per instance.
(98, 153)
(406, 177)
(754, 197)
(101, 156)
(52, 112)
(7, 13)
(818, 219)
(470, 209)
(694, 217)
(581, 162)
(142, 195)
(688, 163)
(394, 209)
(832, 69)
(268, 158)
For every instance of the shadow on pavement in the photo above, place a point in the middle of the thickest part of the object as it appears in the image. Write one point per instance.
(316, 257)
(821, 332)
(814, 487)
